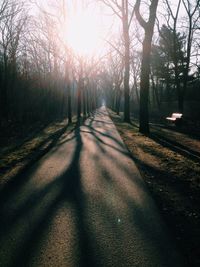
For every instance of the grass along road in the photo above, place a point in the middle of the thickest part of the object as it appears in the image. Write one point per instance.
(24, 148)
(174, 181)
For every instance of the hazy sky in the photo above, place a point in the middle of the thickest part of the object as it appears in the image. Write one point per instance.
(88, 25)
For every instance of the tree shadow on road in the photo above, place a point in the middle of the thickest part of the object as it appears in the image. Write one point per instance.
(36, 211)
(65, 188)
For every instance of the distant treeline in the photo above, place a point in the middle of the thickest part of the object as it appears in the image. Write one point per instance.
(40, 78)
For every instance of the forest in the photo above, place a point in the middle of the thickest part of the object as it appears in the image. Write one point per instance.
(148, 76)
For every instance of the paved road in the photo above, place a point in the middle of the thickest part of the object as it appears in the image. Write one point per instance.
(84, 204)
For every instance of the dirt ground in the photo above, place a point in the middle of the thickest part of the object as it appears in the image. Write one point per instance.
(174, 182)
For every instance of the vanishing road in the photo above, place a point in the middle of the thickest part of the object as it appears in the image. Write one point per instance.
(83, 204)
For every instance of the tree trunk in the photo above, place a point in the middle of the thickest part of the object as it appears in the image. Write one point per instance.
(145, 67)
(84, 102)
(178, 89)
(180, 102)
(118, 101)
(69, 104)
(136, 90)
(144, 86)
(156, 94)
(4, 93)
(79, 99)
(126, 71)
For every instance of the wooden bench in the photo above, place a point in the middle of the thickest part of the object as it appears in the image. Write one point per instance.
(175, 118)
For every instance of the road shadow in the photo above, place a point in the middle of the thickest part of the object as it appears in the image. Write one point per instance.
(65, 188)
(175, 146)
(41, 205)
(15, 181)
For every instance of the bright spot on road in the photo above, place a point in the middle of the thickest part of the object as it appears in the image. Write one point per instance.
(119, 220)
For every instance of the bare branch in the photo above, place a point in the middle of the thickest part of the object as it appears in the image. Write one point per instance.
(140, 19)
(110, 3)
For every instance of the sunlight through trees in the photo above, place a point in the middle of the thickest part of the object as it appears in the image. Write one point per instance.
(62, 59)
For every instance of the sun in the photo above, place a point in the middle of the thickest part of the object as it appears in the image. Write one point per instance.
(83, 33)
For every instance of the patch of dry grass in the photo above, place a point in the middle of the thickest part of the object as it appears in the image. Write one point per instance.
(174, 181)
(20, 152)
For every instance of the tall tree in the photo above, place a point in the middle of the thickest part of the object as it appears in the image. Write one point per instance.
(168, 59)
(174, 15)
(124, 11)
(192, 9)
(12, 23)
(148, 27)
(68, 87)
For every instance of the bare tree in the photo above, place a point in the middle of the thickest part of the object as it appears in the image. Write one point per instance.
(3, 6)
(174, 16)
(192, 9)
(12, 25)
(148, 27)
(115, 59)
(135, 72)
(124, 11)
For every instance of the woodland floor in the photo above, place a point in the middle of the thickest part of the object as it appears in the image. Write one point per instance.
(173, 178)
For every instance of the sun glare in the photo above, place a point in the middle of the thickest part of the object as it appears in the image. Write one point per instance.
(83, 34)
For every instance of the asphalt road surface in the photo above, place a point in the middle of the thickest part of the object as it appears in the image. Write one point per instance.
(84, 204)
